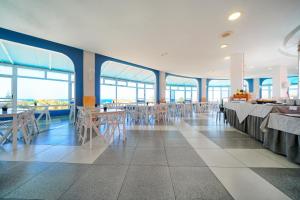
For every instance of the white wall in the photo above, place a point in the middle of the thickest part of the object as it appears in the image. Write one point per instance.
(279, 82)
(162, 85)
(236, 72)
(88, 73)
(255, 88)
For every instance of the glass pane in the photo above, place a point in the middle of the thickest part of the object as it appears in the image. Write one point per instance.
(141, 95)
(194, 96)
(168, 95)
(141, 85)
(72, 77)
(5, 87)
(31, 73)
(179, 96)
(108, 93)
(126, 95)
(56, 75)
(293, 91)
(188, 88)
(109, 81)
(122, 83)
(148, 86)
(210, 95)
(5, 70)
(150, 96)
(180, 88)
(188, 95)
(44, 91)
(131, 84)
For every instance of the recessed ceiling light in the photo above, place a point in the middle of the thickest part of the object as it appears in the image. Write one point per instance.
(234, 16)
(223, 46)
(227, 58)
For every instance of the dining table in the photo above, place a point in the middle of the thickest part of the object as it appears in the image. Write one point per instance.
(14, 114)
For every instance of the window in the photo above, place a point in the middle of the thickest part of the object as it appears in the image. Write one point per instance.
(181, 93)
(109, 82)
(181, 89)
(126, 91)
(122, 83)
(141, 85)
(108, 93)
(293, 88)
(5, 70)
(33, 85)
(126, 95)
(5, 90)
(31, 73)
(266, 89)
(150, 96)
(131, 84)
(148, 86)
(218, 90)
(58, 76)
(141, 94)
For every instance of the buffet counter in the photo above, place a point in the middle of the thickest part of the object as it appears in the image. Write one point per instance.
(282, 135)
(267, 124)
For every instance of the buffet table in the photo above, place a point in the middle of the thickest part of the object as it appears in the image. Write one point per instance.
(268, 124)
(247, 117)
(282, 135)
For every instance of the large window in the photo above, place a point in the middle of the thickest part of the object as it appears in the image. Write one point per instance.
(181, 89)
(219, 90)
(122, 91)
(124, 83)
(181, 94)
(266, 89)
(36, 85)
(293, 88)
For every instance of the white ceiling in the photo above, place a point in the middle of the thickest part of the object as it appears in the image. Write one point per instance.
(176, 36)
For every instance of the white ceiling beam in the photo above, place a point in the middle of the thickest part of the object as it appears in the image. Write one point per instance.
(6, 53)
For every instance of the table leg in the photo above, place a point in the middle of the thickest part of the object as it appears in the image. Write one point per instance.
(15, 131)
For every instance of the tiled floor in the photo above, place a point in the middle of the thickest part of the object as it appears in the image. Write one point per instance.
(195, 158)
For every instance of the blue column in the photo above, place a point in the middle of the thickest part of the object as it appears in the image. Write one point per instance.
(251, 84)
(199, 89)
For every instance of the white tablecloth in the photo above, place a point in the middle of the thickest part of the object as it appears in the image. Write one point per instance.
(244, 109)
(284, 123)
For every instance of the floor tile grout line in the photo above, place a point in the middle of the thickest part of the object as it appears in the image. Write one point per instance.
(171, 179)
(128, 166)
(67, 189)
(32, 177)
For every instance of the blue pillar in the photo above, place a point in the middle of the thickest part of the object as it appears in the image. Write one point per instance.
(199, 80)
(251, 84)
